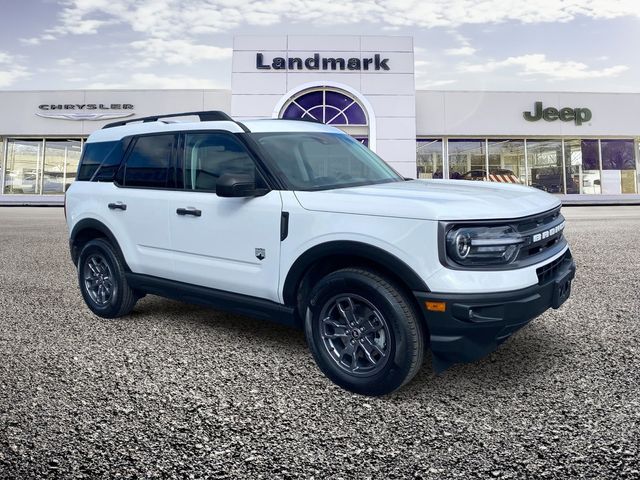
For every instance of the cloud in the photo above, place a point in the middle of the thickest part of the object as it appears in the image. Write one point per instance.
(179, 32)
(151, 80)
(33, 41)
(425, 71)
(538, 65)
(10, 70)
(173, 31)
(10, 76)
(460, 51)
(30, 41)
(66, 62)
(422, 68)
(178, 52)
(464, 48)
(180, 18)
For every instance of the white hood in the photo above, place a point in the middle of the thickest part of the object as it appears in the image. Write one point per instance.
(433, 200)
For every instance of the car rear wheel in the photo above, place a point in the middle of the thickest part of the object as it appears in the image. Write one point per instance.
(363, 332)
(102, 280)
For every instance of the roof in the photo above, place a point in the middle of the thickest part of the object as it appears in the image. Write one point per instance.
(276, 125)
(255, 126)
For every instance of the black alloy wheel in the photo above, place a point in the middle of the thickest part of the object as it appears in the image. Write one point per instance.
(364, 331)
(355, 334)
(98, 279)
(102, 280)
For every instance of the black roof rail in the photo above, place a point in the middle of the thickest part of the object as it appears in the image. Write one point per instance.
(204, 116)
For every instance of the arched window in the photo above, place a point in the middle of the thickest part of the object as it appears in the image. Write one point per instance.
(327, 105)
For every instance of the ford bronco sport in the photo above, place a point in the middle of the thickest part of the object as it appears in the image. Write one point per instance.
(299, 223)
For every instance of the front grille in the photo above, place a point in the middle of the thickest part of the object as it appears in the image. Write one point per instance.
(537, 221)
(549, 271)
(539, 224)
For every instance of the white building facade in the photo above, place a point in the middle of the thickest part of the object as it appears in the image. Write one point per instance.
(583, 147)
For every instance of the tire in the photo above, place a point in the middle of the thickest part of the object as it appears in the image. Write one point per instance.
(99, 265)
(383, 351)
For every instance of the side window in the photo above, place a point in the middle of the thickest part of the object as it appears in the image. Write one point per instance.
(149, 162)
(208, 156)
(93, 156)
(111, 163)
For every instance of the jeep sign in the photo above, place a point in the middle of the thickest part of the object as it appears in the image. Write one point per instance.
(551, 114)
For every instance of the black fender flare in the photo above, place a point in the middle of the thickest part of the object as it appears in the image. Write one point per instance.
(92, 224)
(353, 249)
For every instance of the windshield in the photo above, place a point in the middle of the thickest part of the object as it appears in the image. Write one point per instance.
(320, 160)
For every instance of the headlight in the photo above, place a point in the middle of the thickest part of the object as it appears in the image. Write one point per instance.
(477, 246)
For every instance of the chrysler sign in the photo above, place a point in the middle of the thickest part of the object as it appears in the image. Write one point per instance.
(85, 111)
(316, 62)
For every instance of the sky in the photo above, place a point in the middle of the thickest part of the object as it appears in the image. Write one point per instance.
(557, 45)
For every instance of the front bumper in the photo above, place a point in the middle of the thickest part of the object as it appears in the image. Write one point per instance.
(474, 325)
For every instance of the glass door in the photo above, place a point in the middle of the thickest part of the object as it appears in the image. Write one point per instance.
(23, 167)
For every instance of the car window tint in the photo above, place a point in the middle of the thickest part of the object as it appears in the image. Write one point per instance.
(149, 162)
(208, 156)
(93, 156)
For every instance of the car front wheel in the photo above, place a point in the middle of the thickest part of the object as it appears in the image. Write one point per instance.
(363, 331)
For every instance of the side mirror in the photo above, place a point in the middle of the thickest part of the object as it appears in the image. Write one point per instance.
(236, 185)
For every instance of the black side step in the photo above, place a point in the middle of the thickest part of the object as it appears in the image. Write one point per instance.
(210, 297)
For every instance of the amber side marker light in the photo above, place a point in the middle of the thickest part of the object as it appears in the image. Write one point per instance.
(436, 306)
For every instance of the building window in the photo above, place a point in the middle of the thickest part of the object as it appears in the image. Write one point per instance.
(545, 165)
(506, 161)
(467, 159)
(429, 158)
(582, 166)
(618, 167)
(61, 158)
(589, 166)
(22, 170)
(329, 106)
(2, 165)
(40, 166)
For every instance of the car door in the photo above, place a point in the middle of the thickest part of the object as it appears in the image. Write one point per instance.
(229, 244)
(139, 204)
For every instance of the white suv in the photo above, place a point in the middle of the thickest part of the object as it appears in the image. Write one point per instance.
(299, 223)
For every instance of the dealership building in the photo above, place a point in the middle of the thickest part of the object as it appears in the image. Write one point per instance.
(583, 147)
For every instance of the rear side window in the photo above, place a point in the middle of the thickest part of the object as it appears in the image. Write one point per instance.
(149, 162)
(93, 156)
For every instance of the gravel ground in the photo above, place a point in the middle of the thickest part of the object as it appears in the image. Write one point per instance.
(177, 391)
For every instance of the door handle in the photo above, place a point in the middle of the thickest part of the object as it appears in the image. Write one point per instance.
(117, 206)
(189, 211)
